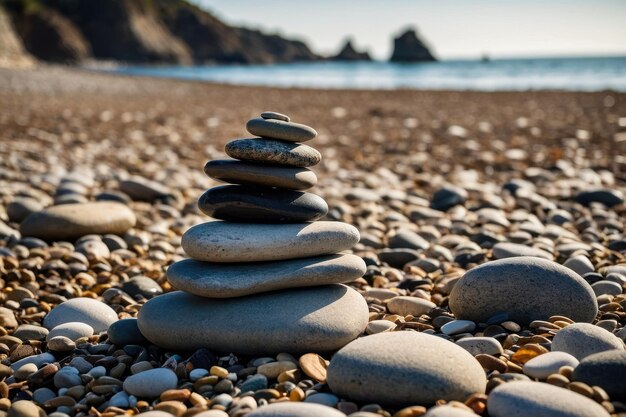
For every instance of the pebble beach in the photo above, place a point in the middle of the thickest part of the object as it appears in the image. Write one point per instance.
(419, 253)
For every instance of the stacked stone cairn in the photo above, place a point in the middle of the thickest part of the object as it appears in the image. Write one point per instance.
(265, 277)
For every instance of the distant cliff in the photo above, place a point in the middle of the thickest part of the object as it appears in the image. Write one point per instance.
(141, 31)
(12, 52)
(409, 48)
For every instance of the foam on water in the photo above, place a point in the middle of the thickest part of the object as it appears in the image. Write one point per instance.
(576, 74)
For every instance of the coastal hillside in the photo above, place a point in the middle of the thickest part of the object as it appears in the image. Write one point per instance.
(146, 31)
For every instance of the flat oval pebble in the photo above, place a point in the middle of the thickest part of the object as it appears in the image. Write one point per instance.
(542, 366)
(458, 326)
(239, 172)
(584, 339)
(295, 409)
(538, 399)
(280, 129)
(406, 305)
(24, 408)
(300, 320)
(275, 115)
(150, 383)
(509, 250)
(416, 368)
(84, 310)
(606, 370)
(243, 203)
(270, 151)
(71, 221)
(526, 288)
(73, 330)
(235, 280)
(220, 241)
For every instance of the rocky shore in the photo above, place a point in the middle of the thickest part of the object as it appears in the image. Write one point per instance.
(491, 229)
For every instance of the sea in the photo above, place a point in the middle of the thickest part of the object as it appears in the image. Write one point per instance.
(570, 74)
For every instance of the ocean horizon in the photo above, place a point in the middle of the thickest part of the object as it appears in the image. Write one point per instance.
(511, 74)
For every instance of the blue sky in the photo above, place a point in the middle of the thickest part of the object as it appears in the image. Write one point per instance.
(454, 28)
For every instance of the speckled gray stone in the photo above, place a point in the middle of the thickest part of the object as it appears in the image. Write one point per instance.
(480, 344)
(220, 241)
(504, 250)
(584, 339)
(239, 172)
(417, 369)
(605, 369)
(270, 151)
(84, 310)
(280, 129)
(538, 399)
(257, 204)
(71, 221)
(542, 366)
(235, 280)
(295, 409)
(314, 319)
(527, 288)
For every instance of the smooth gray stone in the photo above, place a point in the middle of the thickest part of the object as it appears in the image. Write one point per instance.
(150, 383)
(607, 197)
(22, 207)
(143, 189)
(448, 411)
(239, 172)
(73, 330)
(143, 286)
(606, 287)
(538, 399)
(30, 332)
(235, 280)
(125, 332)
(397, 258)
(314, 319)
(270, 151)
(220, 241)
(408, 240)
(606, 370)
(504, 250)
(416, 368)
(280, 129)
(527, 288)
(579, 264)
(275, 115)
(542, 366)
(256, 204)
(583, 339)
(447, 197)
(71, 221)
(84, 310)
(295, 409)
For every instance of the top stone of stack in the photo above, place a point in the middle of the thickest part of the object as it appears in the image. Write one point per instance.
(277, 126)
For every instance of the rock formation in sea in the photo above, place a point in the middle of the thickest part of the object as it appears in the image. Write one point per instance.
(349, 53)
(12, 52)
(408, 47)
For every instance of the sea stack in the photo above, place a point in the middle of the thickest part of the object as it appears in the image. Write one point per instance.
(266, 275)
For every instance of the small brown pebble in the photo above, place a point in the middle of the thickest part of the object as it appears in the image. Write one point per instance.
(61, 344)
(5, 403)
(513, 367)
(296, 394)
(218, 371)
(413, 411)
(581, 388)
(293, 375)
(566, 371)
(175, 395)
(558, 380)
(173, 407)
(599, 395)
(347, 407)
(197, 399)
(491, 363)
(556, 318)
(267, 394)
(63, 400)
(314, 366)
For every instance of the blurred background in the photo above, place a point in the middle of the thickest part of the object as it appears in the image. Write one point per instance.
(479, 45)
